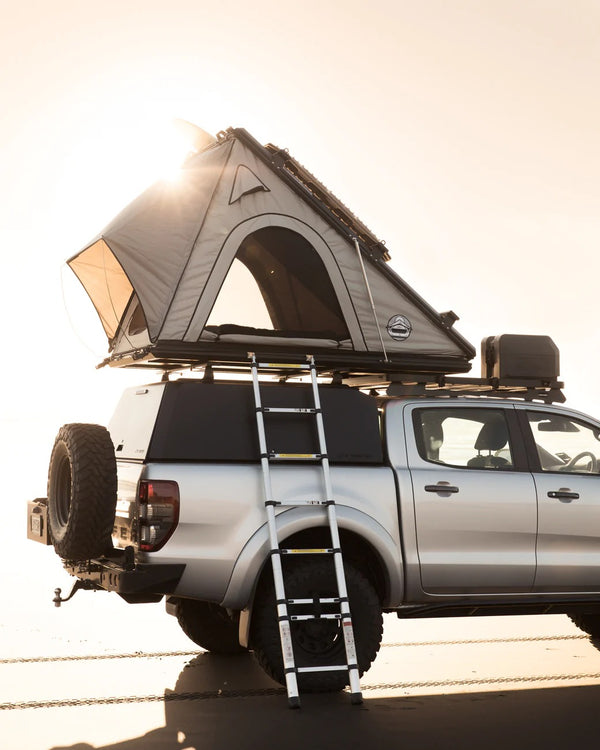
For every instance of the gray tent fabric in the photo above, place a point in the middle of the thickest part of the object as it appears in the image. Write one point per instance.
(155, 273)
(245, 182)
(152, 239)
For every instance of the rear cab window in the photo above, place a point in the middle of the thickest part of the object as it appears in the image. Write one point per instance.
(469, 438)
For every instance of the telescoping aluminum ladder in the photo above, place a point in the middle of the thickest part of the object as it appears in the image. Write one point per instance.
(285, 619)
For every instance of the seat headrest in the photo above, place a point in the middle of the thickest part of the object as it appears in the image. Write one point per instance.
(492, 436)
(433, 435)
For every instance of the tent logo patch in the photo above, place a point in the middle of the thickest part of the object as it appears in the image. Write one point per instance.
(399, 327)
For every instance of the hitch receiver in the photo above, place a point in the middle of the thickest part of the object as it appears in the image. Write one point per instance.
(79, 584)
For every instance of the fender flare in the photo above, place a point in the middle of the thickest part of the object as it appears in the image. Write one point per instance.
(255, 554)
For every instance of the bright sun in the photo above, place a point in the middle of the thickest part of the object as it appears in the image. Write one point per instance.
(170, 150)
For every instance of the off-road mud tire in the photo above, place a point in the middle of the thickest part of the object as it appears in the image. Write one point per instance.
(209, 626)
(82, 491)
(317, 643)
(590, 624)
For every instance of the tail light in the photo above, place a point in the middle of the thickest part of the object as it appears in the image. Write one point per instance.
(159, 513)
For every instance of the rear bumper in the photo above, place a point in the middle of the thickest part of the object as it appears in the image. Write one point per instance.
(118, 571)
(135, 582)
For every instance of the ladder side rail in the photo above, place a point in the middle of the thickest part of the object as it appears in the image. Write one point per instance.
(289, 663)
(349, 641)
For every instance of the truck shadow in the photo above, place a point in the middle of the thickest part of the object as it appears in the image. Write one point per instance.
(228, 702)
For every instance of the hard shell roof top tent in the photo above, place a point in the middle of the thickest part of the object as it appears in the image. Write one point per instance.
(250, 212)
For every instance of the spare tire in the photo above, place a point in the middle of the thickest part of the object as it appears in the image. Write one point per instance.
(82, 491)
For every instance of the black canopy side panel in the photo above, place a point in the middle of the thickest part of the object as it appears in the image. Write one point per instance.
(200, 421)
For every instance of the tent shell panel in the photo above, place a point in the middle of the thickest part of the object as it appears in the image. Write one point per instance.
(170, 251)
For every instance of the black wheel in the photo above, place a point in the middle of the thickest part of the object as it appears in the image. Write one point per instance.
(317, 642)
(590, 624)
(82, 491)
(209, 626)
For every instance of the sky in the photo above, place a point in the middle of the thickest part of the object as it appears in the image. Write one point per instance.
(463, 133)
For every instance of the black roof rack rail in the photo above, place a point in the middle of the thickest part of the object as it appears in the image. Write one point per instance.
(546, 391)
(385, 384)
(443, 386)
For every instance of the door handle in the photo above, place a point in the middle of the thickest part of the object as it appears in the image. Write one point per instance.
(440, 487)
(564, 494)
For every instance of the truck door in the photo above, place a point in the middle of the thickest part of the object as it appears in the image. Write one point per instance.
(566, 454)
(474, 500)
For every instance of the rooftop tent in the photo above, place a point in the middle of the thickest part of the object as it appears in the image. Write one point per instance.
(248, 251)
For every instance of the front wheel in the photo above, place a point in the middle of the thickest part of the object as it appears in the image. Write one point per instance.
(317, 642)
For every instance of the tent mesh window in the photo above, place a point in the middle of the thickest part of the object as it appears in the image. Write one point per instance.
(294, 284)
(137, 323)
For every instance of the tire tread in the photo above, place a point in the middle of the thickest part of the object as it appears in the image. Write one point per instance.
(208, 626)
(88, 528)
(366, 616)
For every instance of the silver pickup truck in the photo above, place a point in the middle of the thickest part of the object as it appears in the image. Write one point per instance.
(446, 507)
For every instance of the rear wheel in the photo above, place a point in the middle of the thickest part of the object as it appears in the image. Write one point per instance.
(590, 624)
(82, 491)
(209, 626)
(317, 642)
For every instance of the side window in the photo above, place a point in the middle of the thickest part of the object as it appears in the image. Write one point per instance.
(564, 444)
(470, 438)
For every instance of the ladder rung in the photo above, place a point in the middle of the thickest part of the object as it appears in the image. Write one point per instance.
(310, 606)
(283, 365)
(300, 503)
(334, 616)
(331, 668)
(307, 551)
(290, 409)
(294, 456)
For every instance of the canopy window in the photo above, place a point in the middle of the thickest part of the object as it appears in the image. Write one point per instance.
(294, 285)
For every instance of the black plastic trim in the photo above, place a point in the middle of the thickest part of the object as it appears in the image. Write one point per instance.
(178, 354)
(528, 441)
(111, 575)
(566, 604)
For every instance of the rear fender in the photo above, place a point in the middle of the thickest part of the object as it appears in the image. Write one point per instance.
(255, 554)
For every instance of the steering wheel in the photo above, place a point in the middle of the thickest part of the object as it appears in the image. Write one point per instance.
(592, 466)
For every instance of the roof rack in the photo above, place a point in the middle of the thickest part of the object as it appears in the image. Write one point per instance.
(386, 384)
(441, 386)
(522, 367)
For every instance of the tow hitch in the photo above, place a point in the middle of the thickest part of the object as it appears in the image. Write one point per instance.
(79, 584)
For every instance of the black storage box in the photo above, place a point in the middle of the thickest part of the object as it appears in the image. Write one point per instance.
(522, 357)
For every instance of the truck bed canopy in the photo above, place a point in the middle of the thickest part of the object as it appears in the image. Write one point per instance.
(248, 251)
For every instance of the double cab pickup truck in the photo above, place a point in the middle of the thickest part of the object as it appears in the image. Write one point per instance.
(447, 505)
